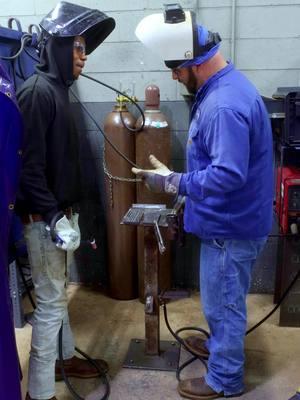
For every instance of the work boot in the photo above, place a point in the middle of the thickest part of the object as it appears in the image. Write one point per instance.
(196, 344)
(30, 398)
(80, 368)
(198, 389)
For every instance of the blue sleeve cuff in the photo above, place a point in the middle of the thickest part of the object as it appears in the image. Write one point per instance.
(182, 185)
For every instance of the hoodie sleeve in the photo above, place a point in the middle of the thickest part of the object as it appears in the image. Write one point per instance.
(227, 144)
(38, 111)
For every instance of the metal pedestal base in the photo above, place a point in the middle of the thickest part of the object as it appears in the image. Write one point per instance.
(167, 360)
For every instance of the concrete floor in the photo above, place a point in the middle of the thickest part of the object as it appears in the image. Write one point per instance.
(103, 327)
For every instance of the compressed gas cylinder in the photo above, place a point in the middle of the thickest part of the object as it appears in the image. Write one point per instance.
(155, 138)
(120, 195)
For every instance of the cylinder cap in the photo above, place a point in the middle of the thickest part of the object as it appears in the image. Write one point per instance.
(152, 97)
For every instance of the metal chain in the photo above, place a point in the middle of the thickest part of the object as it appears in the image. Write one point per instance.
(112, 178)
(117, 178)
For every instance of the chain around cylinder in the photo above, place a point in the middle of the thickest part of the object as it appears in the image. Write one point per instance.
(112, 178)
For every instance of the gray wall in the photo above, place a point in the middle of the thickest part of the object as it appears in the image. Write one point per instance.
(266, 42)
(261, 37)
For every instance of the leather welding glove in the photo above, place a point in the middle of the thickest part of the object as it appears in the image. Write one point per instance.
(67, 233)
(160, 179)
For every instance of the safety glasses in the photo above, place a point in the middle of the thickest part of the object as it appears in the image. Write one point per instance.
(79, 47)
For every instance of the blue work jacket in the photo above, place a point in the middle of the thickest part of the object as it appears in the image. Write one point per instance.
(10, 162)
(229, 183)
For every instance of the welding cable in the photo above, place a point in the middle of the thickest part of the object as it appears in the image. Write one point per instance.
(102, 132)
(25, 38)
(191, 328)
(103, 376)
(182, 343)
(277, 305)
(125, 95)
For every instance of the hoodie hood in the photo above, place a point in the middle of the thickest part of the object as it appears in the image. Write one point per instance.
(56, 60)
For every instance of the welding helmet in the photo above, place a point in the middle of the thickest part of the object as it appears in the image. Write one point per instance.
(176, 37)
(70, 20)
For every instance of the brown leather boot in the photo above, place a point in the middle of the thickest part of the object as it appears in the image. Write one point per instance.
(196, 344)
(197, 389)
(79, 368)
(30, 398)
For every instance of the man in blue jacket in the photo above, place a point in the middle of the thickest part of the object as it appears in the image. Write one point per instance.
(228, 187)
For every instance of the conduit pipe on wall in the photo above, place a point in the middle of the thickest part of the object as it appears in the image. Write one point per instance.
(233, 31)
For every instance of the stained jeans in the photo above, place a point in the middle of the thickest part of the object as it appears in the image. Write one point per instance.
(225, 276)
(49, 276)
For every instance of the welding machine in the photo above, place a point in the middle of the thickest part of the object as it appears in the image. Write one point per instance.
(288, 199)
(289, 97)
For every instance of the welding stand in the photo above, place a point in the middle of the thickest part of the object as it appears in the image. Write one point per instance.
(151, 352)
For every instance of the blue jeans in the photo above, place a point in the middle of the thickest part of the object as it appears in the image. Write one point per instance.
(225, 276)
(49, 276)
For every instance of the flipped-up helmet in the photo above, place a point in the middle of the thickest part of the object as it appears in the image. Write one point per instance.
(70, 20)
(176, 37)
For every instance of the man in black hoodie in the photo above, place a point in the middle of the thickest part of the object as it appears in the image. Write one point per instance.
(50, 186)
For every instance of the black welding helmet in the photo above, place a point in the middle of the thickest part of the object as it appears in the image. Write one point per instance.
(70, 20)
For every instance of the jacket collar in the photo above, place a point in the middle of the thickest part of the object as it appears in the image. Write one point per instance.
(203, 89)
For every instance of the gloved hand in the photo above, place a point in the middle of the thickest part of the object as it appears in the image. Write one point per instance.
(160, 179)
(67, 233)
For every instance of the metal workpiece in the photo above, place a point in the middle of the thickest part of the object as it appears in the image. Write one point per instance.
(120, 194)
(154, 139)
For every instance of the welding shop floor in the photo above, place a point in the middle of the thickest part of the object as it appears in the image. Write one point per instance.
(103, 327)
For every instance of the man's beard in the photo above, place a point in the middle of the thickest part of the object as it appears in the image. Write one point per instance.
(191, 84)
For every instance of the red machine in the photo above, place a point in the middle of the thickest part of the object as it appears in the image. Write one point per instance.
(288, 199)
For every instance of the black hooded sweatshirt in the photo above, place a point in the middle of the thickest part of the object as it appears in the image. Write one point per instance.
(50, 175)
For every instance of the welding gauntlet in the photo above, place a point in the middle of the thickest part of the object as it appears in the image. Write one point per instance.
(65, 233)
(160, 179)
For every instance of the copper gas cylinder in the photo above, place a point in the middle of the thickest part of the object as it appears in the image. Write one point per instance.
(120, 195)
(154, 139)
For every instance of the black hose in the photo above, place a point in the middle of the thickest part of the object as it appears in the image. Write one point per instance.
(182, 343)
(102, 132)
(277, 305)
(24, 39)
(90, 360)
(191, 328)
(125, 95)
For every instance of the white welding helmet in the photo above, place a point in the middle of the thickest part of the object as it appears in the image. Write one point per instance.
(176, 37)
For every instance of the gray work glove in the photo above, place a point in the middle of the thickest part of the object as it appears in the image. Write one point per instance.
(67, 233)
(160, 179)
